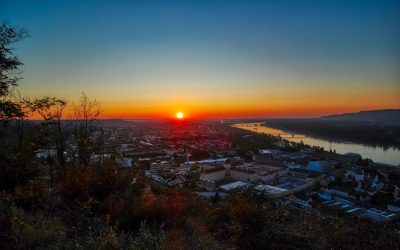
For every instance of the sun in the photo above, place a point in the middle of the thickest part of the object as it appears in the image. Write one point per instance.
(179, 115)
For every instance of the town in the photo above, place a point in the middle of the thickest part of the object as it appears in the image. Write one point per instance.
(209, 155)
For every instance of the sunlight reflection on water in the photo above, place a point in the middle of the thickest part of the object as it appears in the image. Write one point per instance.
(378, 154)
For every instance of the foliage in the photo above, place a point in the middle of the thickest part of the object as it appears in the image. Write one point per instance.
(147, 238)
(247, 142)
(198, 154)
(9, 69)
(191, 177)
(19, 230)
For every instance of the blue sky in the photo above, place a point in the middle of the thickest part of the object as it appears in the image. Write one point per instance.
(130, 53)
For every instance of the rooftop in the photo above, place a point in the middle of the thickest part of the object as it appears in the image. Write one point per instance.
(213, 170)
(247, 171)
(234, 185)
(271, 190)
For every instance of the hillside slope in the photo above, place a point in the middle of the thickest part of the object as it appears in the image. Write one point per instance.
(384, 116)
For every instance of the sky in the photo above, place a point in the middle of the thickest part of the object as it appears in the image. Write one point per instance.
(212, 59)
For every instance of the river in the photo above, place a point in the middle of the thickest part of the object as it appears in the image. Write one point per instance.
(389, 155)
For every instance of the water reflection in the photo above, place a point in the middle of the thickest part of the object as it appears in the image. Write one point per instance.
(387, 155)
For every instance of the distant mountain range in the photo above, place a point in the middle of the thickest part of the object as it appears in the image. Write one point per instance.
(383, 116)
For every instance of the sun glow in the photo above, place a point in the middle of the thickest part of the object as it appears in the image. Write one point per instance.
(179, 115)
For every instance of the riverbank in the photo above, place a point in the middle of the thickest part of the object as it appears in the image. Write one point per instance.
(388, 155)
(369, 134)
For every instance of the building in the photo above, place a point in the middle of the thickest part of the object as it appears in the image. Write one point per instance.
(217, 173)
(295, 156)
(208, 161)
(379, 215)
(245, 175)
(356, 174)
(353, 156)
(330, 194)
(269, 154)
(271, 173)
(319, 166)
(394, 206)
(144, 162)
(270, 190)
(234, 185)
(293, 165)
(126, 162)
(43, 153)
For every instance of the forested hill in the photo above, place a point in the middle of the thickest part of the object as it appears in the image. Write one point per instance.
(384, 116)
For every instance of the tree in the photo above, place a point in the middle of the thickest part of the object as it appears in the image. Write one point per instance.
(147, 238)
(191, 177)
(21, 121)
(12, 159)
(86, 129)
(215, 199)
(9, 70)
(199, 154)
(52, 112)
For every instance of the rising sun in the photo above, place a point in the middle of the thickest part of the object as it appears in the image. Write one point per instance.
(179, 115)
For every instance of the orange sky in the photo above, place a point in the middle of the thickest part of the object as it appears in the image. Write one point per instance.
(287, 106)
(212, 59)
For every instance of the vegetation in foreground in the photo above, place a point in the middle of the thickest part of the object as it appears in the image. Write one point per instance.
(114, 208)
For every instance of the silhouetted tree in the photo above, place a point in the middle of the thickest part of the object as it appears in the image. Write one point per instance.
(52, 111)
(215, 199)
(191, 177)
(9, 70)
(86, 129)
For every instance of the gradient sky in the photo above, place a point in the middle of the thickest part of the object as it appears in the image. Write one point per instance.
(212, 58)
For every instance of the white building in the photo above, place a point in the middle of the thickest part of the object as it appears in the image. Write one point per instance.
(45, 153)
(233, 186)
